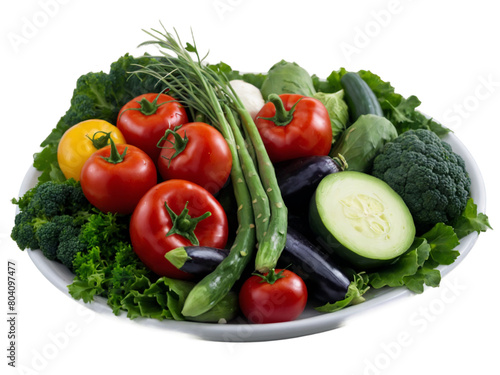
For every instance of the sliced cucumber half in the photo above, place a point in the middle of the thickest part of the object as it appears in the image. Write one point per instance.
(361, 218)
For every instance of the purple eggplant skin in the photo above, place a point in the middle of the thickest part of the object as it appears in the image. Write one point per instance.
(198, 261)
(299, 178)
(325, 280)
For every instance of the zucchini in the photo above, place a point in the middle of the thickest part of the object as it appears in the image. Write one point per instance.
(361, 219)
(359, 97)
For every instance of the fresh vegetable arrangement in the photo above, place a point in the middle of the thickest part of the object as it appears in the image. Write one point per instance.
(179, 189)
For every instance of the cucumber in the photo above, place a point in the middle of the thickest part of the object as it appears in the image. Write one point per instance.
(361, 219)
(359, 97)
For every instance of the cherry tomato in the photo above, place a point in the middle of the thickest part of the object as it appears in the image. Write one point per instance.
(277, 296)
(144, 120)
(116, 177)
(196, 152)
(293, 126)
(82, 140)
(175, 213)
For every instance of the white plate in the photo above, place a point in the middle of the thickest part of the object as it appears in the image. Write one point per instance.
(309, 323)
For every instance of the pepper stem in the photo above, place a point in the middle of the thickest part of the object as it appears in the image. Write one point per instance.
(184, 225)
(282, 117)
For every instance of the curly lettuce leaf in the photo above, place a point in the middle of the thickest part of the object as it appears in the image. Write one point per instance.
(163, 299)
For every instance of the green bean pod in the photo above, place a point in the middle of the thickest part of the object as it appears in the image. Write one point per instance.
(274, 240)
(260, 201)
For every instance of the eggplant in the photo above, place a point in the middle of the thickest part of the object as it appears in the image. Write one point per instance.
(326, 280)
(198, 261)
(298, 178)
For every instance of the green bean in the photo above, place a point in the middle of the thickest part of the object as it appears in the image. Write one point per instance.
(272, 245)
(260, 201)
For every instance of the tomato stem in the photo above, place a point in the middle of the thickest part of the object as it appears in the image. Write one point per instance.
(271, 277)
(178, 144)
(184, 225)
(100, 141)
(114, 156)
(146, 107)
(282, 117)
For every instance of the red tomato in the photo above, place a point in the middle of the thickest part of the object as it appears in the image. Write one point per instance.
(154, 230)
(117, 186)
(196, 152)
(293, 126)
(281, 300)
(144, 120)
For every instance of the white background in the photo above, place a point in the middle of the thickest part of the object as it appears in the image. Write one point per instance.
(444, 52)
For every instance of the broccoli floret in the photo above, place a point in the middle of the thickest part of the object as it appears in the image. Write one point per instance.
(49, 234)
(43, 205)
(57, 219)
(56, 198)
(427, 174)
(24, 231)
(70, 245)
